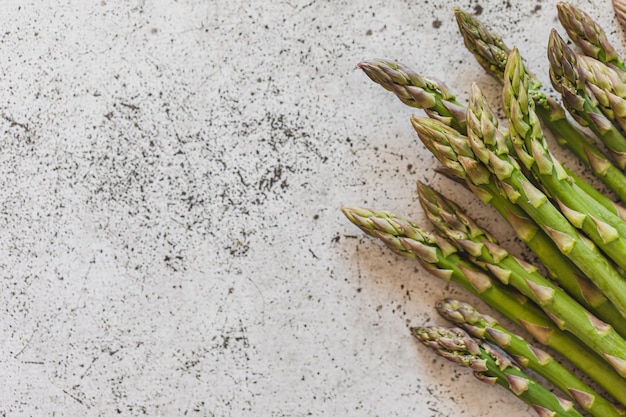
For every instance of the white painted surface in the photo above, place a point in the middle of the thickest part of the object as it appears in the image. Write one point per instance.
(170, 178)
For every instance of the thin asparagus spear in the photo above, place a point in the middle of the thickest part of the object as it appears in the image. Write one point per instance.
(588, 35)
(440, 258)
(451, 221)
(455, 151)
(491, 52)
(482, 326)
(567, 79)
(619, 6)
(418, 91)
(485, 252)
(493, 368)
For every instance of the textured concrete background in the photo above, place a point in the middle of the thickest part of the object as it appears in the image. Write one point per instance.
(170, 178)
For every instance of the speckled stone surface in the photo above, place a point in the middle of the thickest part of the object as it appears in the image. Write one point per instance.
(171, 174)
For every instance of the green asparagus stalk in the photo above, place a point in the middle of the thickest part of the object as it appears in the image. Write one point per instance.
(441, 259)
(492, 367)
(605, 228)
(451, 221)
(567, 79)
(455, 151)
(491, 52)
(484, 327)
(588, 35)
(619, 6)
(418, 91)
(485, 252)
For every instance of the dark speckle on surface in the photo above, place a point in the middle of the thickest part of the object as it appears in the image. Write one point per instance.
(437, 23)
(478, 10)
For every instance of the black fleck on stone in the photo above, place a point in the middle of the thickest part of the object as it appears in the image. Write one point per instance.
(369, 32)
(478, 10)
(437, 23)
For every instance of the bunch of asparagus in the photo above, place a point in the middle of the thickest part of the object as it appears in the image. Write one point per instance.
(576, 232)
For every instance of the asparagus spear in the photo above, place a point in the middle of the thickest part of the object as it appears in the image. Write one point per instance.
(605, 228)
(486, 45)
(588, 35)
(607, 87)
(491, 52)
(441, 259)
(567, 79)
(482, 326)
(454, 150)
(416, 90)
(619, 6)
(451, 221)
(485, 252)
(492, 367)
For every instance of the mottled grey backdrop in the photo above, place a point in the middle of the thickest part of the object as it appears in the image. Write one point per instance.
(170, 179)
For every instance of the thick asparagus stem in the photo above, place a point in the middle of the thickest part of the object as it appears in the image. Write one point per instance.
(566, 78)
(491, 52)
(485, 252)
(440, 258)
(492, 367)
(484, 327)
(451, 221)
(588, 35)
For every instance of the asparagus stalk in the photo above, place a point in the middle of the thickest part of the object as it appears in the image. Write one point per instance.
(418, 91)
(484, 327)
(567, 79)
(605, 228)
(492, 367)
(619, 6)
(451, 221)
(491, 52)
(485, 252)
(454, 150)
(441, 259)
(588, 35)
